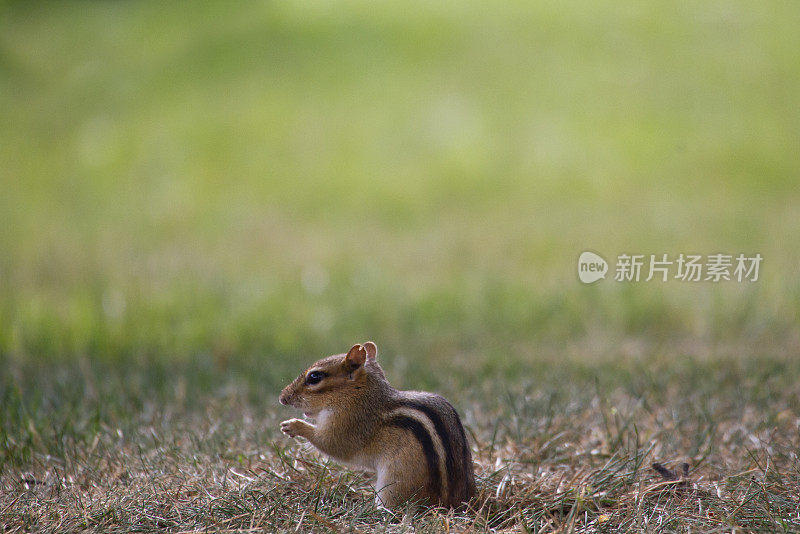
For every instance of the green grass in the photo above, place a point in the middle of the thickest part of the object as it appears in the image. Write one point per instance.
(198, 200)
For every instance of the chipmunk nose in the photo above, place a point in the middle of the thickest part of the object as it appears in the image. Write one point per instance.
(284, 398)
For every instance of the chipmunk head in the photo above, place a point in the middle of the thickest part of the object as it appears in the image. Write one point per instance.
(340, 373)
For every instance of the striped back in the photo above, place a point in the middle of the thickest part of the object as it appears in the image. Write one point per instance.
(435, 424)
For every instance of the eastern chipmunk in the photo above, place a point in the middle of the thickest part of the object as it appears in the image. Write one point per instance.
(413, 440)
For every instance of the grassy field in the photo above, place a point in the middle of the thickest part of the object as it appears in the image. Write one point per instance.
(198, 200)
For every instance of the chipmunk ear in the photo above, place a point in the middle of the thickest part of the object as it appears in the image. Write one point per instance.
(372, 350)
(356, 356)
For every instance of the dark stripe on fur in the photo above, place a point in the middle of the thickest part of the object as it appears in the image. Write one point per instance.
(466, 460)
(453, 481)
(431, 458)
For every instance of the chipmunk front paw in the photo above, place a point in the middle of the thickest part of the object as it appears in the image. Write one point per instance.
(296, 427)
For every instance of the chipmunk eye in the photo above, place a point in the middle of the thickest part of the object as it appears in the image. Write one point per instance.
(314, 377)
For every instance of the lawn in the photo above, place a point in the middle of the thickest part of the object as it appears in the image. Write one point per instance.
(199, 200)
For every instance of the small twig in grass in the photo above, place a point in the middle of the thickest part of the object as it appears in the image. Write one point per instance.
(327, 523)
(300, 521)
(669, 474)
(682, 479)
(12, 503)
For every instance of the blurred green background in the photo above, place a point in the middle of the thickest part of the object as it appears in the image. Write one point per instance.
(270, 182)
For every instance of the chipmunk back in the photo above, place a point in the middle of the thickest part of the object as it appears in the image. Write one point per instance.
(414, 441)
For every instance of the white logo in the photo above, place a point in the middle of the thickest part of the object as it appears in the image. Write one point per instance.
(663, 267)
(591, 267)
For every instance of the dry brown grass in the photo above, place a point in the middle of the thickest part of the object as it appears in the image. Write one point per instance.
(556, 456)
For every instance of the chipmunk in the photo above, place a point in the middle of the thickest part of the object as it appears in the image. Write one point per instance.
(412, 440)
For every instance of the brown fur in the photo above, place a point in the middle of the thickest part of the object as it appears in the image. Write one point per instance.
(414, 441)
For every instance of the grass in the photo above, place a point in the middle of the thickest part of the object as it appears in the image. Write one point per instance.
(563, 449)
(196, 202)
